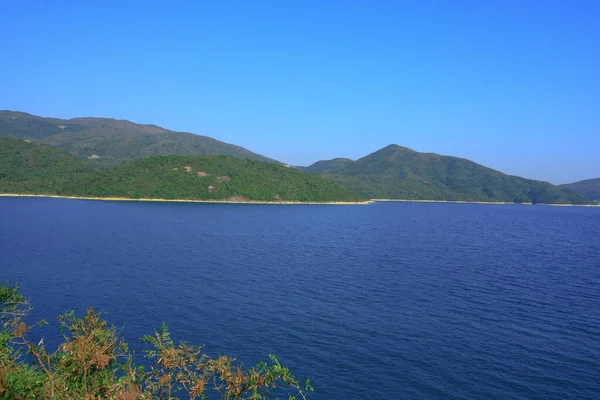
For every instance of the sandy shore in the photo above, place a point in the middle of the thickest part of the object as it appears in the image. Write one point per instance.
(484, 202)
(236, 201)
(185, 200)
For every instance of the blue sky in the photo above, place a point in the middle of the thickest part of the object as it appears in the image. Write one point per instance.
(511, 84)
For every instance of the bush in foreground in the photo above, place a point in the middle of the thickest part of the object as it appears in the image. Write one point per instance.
(93, 362)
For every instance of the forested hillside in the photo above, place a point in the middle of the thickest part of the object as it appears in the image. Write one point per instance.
(589, 188)
(30, 167)
(396, 172)
(113, 142)
(35, 168)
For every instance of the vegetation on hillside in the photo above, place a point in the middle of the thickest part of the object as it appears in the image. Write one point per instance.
(212, 178)
(29, 167)
(327, 165)
(396, 172)
(93, 362)
(113, 142)
(393, 172)
(589, 188)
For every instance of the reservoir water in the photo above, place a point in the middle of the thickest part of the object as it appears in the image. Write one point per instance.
(380, 301)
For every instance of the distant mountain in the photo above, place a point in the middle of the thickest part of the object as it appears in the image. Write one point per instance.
(28, 167)
(396, 172)
(327, 165)
(589, 188)
(113, 142)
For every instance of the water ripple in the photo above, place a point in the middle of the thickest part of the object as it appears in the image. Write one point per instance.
(423, 301)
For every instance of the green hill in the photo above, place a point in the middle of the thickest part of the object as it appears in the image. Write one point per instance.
(589, 188)
(212, 177)
(113, 142)
(396, 172)
(33, 168)
(327, 165)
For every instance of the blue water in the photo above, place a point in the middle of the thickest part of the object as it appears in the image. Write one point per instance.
(389, 300)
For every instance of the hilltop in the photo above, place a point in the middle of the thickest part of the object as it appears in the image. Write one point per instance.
(113, 142)
(34, 168)
(396, 172)
(589, 188)
(393, 172)
(335, 164)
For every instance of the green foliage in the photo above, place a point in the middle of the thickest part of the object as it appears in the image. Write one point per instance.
(27, 167)
(589, 188)
(93, 363)
(393, 172)
(335, 164)
(185, 369)
(15, 377)
(31, 167)
(13, 306)
(114, 142)
(396, 172)
(20, 381)
(212, 178)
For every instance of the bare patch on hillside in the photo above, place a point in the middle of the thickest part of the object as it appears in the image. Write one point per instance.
(211, 188)
(239, 199)
(202, 173)
(188, 169)
(223, 178)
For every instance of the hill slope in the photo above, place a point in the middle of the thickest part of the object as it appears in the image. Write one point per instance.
(327, 165)
(396, 172)
(113, 142)
(589, 188)
(33, 168)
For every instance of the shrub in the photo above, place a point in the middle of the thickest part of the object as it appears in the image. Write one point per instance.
(93, 362)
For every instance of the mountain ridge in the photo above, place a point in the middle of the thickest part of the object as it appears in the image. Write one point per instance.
(112, 141)
(392, 172)
(397, 172)
(587, 187)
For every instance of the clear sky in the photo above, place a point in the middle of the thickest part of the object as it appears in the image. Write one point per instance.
(511, 84)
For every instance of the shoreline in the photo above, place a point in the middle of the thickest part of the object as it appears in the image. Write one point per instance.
(55, 196)
(371, 201)
(484, 202)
